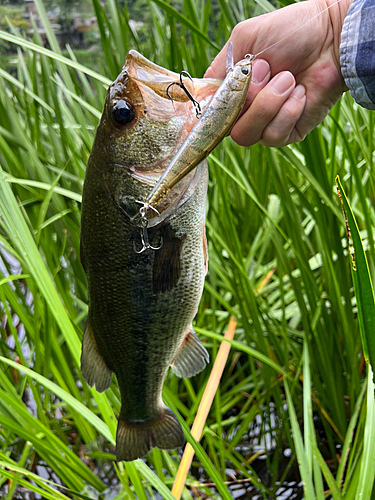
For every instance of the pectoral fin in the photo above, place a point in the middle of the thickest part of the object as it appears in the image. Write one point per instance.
(191, 358)
(167, 263)
(93, 367)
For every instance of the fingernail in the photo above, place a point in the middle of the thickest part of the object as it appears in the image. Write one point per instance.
(261, 69)
(282, 82)
(299, 92)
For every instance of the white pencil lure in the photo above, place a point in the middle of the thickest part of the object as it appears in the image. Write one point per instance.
(215, 123)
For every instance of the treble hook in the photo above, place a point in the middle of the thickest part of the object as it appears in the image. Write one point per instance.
(144, 234)
(145, 242)
(197, 106)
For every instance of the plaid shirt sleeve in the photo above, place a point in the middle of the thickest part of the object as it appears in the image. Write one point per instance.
(358, 52)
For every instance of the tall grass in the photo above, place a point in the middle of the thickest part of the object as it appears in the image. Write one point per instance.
(279, 263)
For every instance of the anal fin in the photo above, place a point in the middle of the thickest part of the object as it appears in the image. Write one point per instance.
(93, 367)
(191, 358)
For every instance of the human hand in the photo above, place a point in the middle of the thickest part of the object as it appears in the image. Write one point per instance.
(297, 81)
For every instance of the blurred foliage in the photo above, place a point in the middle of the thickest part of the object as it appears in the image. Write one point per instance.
(13, 16)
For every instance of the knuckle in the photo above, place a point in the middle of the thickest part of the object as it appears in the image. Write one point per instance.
(272, 138)
(243, 140)
(290, 114)
(296, 136)
(264, 111)
(238, 29)
(240, 35)
(236, 33)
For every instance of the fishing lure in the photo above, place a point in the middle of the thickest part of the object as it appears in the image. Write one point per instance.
(215, 123)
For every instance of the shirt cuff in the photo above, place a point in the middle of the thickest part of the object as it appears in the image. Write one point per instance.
(357, 55)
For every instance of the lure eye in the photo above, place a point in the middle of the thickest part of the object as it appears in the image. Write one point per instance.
(123, 112)
(245, 71)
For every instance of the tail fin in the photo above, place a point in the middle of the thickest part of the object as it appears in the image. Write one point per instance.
(135, 440)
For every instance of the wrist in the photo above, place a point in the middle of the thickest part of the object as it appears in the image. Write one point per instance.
(337, 13)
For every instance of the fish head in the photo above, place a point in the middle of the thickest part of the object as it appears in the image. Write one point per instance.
(147, 116)
(241, 74)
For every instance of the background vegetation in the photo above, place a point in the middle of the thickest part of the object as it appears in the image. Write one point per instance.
(296, 402)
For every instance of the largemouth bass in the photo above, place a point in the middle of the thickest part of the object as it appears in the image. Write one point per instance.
(142, 303)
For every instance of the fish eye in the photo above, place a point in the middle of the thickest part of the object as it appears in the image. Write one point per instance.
(123, 112)
(245, 71)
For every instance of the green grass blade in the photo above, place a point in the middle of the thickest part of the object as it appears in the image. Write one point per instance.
(153, 479)
(42, 185)
(334, 490)
(26, 44)
(184, 21)
(362, 283)
(367, 468)
(25, 244)
(306, 473)
(349, 437)
(94, 420)
(245, 348)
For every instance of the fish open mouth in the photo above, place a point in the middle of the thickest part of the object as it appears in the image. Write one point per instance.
(155, 82)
